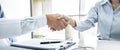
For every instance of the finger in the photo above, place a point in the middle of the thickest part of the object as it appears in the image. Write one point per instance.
(52, 29)
(61, 17)
(57, 26)
(60, 26)
(64, 22)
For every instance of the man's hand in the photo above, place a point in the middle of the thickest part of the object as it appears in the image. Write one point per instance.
(68, 20)
(59, 22)
(55, 22)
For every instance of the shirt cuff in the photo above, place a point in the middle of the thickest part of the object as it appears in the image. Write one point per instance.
(77, 24)
(43, 19)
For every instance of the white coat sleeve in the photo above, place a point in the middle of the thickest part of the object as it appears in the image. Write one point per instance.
(15, 27)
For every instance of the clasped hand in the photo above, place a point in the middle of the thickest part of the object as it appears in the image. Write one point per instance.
(58, 22)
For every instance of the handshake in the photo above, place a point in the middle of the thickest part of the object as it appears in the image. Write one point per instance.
(58, 22)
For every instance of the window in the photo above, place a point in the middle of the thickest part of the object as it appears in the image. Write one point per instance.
(67, 7)
(88, 4)
(73, 8)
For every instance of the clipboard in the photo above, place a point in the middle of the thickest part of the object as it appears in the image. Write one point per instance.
(35, 44)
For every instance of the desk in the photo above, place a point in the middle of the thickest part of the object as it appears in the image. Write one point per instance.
(108, 45)
(12, 48)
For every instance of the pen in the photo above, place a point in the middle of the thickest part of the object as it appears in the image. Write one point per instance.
(50, 42)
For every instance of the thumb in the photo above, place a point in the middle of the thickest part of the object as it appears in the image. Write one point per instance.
(59, 18)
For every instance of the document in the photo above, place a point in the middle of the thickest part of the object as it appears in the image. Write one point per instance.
(39, 44)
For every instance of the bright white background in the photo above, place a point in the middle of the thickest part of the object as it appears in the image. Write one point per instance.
(17, 9)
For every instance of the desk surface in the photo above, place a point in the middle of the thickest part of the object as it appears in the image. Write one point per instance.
(102, 45)
(108, 45)
(35, 44)
(12, 48)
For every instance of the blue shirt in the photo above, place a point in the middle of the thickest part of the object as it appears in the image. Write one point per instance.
(108, 20)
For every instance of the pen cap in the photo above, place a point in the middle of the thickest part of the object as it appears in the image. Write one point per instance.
(68, 32)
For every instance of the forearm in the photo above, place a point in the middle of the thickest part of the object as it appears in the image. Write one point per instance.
(30, 24)
(10, 27)
(15, 27)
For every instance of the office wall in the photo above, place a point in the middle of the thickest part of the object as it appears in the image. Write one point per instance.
(16, 8)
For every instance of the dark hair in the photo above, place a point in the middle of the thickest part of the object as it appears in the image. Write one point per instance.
(111, 1)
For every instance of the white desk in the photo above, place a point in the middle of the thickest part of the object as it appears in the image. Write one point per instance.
(104, 45)
(35, 44)
(12, 48)
(108, 45)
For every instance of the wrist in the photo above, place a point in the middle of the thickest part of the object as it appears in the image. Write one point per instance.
(72, 23)
(47, 17)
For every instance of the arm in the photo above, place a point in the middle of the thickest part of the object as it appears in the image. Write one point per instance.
(83, 25)
(31, 23)
(14, 27)
(89, 22)
(9, 27)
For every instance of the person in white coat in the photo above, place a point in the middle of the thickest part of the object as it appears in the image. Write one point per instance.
(15, 27)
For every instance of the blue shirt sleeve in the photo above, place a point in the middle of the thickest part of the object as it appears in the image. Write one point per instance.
(89, 22)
